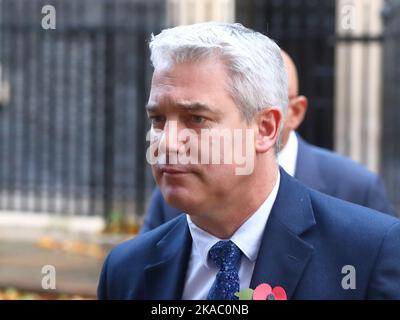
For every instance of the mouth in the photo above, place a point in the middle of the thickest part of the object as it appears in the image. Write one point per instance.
(173, 170)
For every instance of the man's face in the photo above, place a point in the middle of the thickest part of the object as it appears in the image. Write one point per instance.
(193, 96)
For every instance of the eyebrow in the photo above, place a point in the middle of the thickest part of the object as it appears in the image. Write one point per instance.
(188, 106)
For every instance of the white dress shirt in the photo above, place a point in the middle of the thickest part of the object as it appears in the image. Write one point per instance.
(201, 271)
(287, 157)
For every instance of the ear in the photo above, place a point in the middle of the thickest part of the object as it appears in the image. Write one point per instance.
(268, 123)
(296, 112)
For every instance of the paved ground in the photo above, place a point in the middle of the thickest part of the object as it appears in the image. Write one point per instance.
(77, 260)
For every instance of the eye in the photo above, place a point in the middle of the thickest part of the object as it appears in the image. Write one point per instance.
(156, 120)
(197, 119)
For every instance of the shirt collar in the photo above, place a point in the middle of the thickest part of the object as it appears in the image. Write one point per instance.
(248, 237)
(288, 155)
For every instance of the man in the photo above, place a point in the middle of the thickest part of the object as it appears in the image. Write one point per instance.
(317, 168)
(241, 230)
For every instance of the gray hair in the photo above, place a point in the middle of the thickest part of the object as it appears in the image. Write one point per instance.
(257, 76)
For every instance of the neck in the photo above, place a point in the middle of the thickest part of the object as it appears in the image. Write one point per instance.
(285, 139)
(240, 204)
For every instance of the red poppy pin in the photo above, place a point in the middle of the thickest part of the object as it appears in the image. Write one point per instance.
(262, 292)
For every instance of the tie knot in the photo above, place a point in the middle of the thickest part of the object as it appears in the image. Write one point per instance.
(225, 255)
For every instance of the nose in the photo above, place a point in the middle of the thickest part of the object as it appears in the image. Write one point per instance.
(169, 142)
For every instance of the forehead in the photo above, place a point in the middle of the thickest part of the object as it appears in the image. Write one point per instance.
(204, 81)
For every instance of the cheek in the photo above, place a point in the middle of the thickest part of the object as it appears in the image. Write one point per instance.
(156, 174)
(218, 175)
(215, 148)
(219, 180)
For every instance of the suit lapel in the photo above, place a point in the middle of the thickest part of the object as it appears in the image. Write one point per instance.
(165, 278)
(282, 257)
(283, 254)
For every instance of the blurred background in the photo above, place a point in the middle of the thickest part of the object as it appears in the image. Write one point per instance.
(73, 174)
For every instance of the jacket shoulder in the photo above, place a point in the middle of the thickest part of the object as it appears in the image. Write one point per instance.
(352, 223)
(122, 272)
(142, 244)
(338, 165)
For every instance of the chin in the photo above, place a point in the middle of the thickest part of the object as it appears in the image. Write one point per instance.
(179, 198)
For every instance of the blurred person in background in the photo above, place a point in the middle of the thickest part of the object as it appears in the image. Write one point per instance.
(318, 168)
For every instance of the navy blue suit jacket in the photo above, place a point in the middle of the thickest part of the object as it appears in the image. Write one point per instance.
(317, 168)
(308, 239)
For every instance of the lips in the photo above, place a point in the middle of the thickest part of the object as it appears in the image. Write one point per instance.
(173, 170)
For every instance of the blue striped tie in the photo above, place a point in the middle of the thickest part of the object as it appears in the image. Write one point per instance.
(226, 256)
